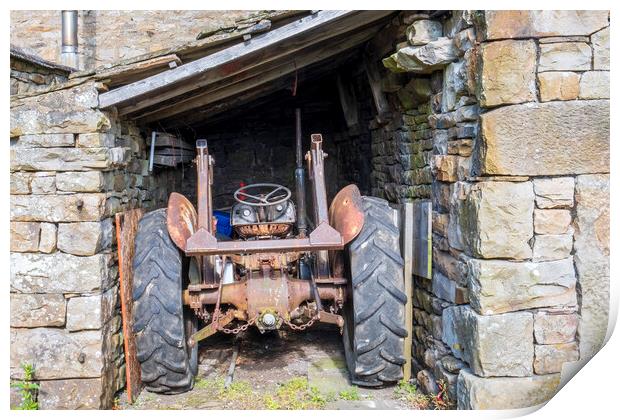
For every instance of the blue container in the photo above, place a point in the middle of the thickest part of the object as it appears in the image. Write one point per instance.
(223, 223)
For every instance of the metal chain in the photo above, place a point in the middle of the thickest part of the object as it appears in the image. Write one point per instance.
(237, 330)
(302, 326)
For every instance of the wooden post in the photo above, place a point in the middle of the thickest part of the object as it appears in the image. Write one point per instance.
(126, 229)
(407, 250)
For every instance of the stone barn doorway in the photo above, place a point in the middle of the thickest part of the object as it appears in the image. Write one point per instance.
(422, 107)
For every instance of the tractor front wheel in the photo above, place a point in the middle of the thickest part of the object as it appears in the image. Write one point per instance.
(374, 329)
(161, 325)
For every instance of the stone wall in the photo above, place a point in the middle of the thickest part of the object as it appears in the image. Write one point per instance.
(72, 168)
(28, 77)
(520, 191)
(103, 34)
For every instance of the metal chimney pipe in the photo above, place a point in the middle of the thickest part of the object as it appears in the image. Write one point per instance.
(69, 49)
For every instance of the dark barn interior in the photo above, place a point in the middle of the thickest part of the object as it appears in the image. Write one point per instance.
(256, 142)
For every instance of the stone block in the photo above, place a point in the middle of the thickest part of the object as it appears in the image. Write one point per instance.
(452, 364)
(554, 192)
(550, 328)
(451, 267)
(458, 194)
(496, 219)
(71, 394)
(493, 345)
(501, 24)
(46, 140)
(25, 236)
(20, 182)
(58, 208)
(59, 159)
(424, 59)
(592, 259)
(549, 358)
(497, 286)
(84, 313)
(454, 85)
(96, 140)
(43, 184)
(580, 129)
(59, 273)
(56, 353)
(600, 45)
(92, 181)
(85, 238)
(565, 56)
(47, 243)
(476, 393)
(465, 39)
(448, 290)
(444, 167)
(594, 85)
(37, 310)
(558, 86)
(423, 31)
(552, 247)
(551, 221)
(508, 73)
(427, 382)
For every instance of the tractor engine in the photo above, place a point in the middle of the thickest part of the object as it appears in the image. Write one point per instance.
(263, 211)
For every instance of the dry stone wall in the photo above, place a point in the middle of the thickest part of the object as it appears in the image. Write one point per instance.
(27, 77)
(72, 168)
(520, 184)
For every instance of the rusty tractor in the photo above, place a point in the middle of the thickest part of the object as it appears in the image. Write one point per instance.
(280, 269)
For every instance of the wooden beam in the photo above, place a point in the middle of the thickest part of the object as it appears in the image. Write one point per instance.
(169, 140)
(220, 58)
(348, 101)
(374, 79)
(265, 74)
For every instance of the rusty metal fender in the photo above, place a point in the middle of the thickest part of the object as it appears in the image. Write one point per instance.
(346, 214)
(181, 219)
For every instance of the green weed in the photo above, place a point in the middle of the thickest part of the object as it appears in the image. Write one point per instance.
(28, 389)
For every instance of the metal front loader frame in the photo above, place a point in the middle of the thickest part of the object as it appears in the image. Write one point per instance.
(323, 238)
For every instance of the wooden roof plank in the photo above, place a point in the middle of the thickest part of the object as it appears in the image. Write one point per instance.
(260, 59)
(218, 59)
(254, 79)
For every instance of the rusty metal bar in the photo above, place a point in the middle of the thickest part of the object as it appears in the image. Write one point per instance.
(235, 294)
(324, 237)
(205, 205)
(211, 329)
(321, 214)
(203, 166)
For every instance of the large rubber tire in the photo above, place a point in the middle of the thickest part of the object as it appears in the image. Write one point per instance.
(374, 329)
(160, 324)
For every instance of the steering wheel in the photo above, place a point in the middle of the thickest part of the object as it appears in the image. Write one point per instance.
(262, 195)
